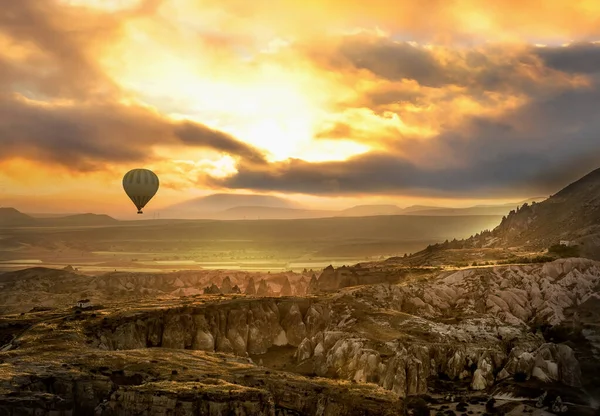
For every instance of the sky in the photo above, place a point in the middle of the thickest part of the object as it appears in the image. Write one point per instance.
(329, 103)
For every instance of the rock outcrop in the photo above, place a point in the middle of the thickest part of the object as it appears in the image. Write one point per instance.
(212, 290)
(250, 287)
(300, 287)
(175, 383)
(313, 286)
(226, 286)
(263, 288)
(242, 327)
(286, 289)
(479, 329)
(471, 326)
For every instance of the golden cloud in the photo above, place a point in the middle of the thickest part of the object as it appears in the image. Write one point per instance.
(265, 95)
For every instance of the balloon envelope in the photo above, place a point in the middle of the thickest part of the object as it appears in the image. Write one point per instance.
(140, 185)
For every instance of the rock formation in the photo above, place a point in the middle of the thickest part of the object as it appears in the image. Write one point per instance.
(286, 289)
(250, 287)
(263, 288)
(313, 286)
(226, 286)
(212, 290)
(300, 287)
(481, 331)
(249, 327)
(474, 348)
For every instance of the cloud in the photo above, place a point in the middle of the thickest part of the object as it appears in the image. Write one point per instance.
(89, 136)
(58, 106)
(539, 147)
(194, 134)
(580, 57)
(492, 67)
(428, 21)
(88, 88)
(408, 95)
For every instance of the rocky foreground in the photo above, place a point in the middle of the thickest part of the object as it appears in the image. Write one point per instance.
(496, 340)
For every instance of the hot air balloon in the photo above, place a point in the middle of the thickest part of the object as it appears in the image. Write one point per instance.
(140, 185)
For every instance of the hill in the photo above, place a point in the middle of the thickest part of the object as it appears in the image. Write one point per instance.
(273, 213)
(240, 207)
(206, 206)
(49, 215)
(571, 215)
(79, 220)
(370, 210)
(477, 210)
(502, 209)
(10, 217)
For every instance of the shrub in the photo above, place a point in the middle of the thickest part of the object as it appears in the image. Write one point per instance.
(564, 251)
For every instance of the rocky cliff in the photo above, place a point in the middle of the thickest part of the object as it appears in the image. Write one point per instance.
(477, 327)
(241, 326)
(24, 290)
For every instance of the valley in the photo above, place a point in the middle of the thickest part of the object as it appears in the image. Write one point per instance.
(266, 245)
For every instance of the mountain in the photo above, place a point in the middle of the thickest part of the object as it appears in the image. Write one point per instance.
(272, 213)
(481, 210)
(79, 220)
(573, 215)
(512, 204)
(10, 217)
(252, 207)
(502, 209)
(370, 210)
(48, 215)
(201, 207)
(422, 210)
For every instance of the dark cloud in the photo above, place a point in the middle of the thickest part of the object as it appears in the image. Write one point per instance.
(538, 148)
(381, 173)
(61, 45)
(91, 128)
(577, 57)
(484, 68)
(394, 60)
(86, 137)
(193, 134)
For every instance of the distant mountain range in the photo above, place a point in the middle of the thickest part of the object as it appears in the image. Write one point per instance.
(250, 207)
(11, 217)
(237, 207)
(222, 202)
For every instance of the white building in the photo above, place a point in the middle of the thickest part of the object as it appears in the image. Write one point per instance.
(565, 243)
(84, 303)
